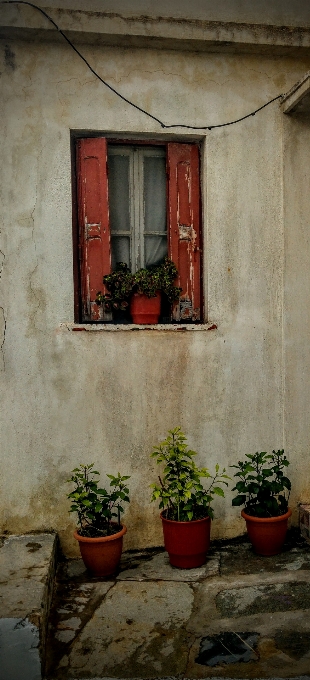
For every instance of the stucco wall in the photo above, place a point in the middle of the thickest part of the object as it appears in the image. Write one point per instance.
(109, 397)
(296, 297)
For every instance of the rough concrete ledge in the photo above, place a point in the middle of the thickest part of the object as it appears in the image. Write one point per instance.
(27, 570)
(114, 328)
(116, 29)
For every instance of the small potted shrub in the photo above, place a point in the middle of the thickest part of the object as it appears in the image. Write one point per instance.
(141, 293)
(186, 504)
(119, 287)
(148, 287)
(100, 532)
(264, 490)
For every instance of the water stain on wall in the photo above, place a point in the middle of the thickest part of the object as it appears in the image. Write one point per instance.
(9, 58)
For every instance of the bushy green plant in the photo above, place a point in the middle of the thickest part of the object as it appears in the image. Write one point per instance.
(146, 282)
(181, 494)
(168, 274)
(119, 286)
(97, 507)
(263, 488)
(157, 278)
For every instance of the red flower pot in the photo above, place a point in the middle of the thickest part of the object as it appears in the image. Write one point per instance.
(267, 534)
(101, 555)
(145, 310)
(187, 543)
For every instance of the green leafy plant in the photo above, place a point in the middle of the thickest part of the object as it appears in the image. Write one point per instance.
(168, 274)
(180, 491)
(96, 507)
(121, 284)
(263, 488)
(157, 278)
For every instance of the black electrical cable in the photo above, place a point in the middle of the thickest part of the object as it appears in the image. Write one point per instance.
(163, 125)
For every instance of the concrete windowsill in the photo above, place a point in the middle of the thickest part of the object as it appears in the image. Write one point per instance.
(113, 328)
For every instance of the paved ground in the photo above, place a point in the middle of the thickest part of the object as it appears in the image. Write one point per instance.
(239, 616)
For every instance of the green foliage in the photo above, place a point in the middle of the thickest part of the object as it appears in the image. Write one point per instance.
(159, 277)
(121, 284)
(180, 491)
(263, 488)
(96, 507)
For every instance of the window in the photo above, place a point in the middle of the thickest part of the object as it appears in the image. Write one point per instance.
(137, 203)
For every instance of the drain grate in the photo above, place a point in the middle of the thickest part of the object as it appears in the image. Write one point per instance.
(227, 648)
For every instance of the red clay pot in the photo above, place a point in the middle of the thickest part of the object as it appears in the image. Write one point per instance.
(145, 310)
(101, 555)
(267, 534)
(187, 543)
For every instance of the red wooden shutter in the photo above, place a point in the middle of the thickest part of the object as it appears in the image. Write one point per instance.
(184, 226)
(93, 216)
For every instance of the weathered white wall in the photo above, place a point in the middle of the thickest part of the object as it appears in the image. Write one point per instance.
(108, 397)
(296, 298)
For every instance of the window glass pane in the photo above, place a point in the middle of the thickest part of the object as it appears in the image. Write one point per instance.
(119, 193)
(154, 194)
(120, 247)
(155, 249)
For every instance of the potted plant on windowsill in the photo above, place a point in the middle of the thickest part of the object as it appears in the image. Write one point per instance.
(148, 287)
(100, 537)
(186, 504)
(140, 293)
(264, 490)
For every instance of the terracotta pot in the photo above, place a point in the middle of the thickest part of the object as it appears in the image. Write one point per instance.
(145, 310)
(267, 534)
(101, 555)
(187, 543)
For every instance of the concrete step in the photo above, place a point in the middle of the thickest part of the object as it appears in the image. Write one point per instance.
(27, 570)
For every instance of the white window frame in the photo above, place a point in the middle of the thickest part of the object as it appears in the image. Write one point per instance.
(136, 155)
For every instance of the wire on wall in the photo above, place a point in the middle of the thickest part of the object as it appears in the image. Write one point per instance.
(128, 101)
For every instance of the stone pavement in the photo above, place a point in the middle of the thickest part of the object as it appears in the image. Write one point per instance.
(238, 616)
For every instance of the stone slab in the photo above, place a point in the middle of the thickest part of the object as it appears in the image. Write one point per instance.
(27, 570)
(262, 599)
(241, 559)
(137, 626)
(158, 568)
